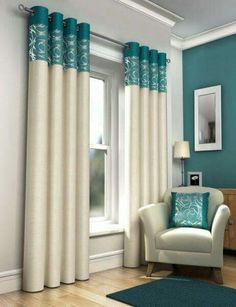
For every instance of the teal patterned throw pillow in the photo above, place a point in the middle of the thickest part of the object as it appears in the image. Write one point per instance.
(189, 210)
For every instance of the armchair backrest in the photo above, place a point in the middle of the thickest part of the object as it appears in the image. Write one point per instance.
(216, 198)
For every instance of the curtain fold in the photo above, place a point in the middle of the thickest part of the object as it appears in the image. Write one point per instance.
(162, 125)
(132, 153)
(153, 128)
(144, 137)
(144, 123)
(70, 147)
(145, 140)
(57, 166)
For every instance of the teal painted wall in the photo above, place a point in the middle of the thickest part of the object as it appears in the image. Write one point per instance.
(207, 65)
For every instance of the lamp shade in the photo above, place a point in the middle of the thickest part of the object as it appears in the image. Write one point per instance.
(181, 150)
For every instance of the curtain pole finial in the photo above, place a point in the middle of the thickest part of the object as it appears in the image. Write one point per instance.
(25, 9)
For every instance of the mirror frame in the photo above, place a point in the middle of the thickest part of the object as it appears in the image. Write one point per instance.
(218, 126)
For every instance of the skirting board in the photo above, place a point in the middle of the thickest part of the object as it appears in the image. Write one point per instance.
(106, 261)
(11, 280)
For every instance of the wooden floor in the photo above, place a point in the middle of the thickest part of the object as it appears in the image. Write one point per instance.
(93, 292)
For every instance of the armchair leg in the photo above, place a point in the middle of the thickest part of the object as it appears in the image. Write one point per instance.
(217, 275)
(175, 268)
(150, 268)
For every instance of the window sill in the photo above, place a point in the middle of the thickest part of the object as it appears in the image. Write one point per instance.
(102, 229)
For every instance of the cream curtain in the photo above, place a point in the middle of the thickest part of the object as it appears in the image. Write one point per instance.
(57, 170)
(145, 140)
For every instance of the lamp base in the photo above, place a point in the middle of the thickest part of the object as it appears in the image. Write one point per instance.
(182, 171)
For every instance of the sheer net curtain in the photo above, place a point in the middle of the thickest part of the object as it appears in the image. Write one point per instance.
(57, 174)
(145, 139)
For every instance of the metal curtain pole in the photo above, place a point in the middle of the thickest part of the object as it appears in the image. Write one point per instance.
(30, 11)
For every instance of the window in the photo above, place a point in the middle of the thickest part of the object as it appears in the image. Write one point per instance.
(99, 146)
(105, 87)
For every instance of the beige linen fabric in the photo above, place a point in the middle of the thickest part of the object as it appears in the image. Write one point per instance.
(57, 177)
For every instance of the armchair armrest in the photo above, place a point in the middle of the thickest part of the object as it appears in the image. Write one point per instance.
(155, 218)
(218, 228)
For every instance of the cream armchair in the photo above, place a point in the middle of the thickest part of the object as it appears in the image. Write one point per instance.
(185, 245)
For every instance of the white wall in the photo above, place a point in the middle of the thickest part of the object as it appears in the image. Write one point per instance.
(109, 18)
(107, 243)
(176, 71)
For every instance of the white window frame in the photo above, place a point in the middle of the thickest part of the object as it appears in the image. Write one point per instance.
(217, 145)
(110, 145)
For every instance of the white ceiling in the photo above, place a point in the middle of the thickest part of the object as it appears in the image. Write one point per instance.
(199, 15)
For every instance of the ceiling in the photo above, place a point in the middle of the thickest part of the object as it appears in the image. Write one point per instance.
(199, 15)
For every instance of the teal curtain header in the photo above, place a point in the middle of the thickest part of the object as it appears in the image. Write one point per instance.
(144, 53)
(153, 56)
(70, 26)
(70, 43)
(162, 59)
(153, 60)
(131, 52)
(40, 16)
(162, 79)
(144, 67)
(131, 49)
(55, 21)
(84, 31)
(83, 47)
(59, 41)
(55, 39)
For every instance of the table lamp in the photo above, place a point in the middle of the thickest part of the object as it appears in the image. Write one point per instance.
(181, 151)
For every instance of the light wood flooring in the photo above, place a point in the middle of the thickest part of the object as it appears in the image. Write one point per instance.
(93, 292)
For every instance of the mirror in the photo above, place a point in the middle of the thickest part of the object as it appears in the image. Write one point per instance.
(207, 115)
(206, 119)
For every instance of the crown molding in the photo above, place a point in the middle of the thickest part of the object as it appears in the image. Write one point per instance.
(176, 41)
(152, 11)
(203, 37)
(163, 11)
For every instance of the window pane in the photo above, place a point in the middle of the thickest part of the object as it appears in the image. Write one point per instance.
(97, 182)
(96, 110)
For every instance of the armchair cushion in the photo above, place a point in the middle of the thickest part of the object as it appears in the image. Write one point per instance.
(189, 210)
(184, 239)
